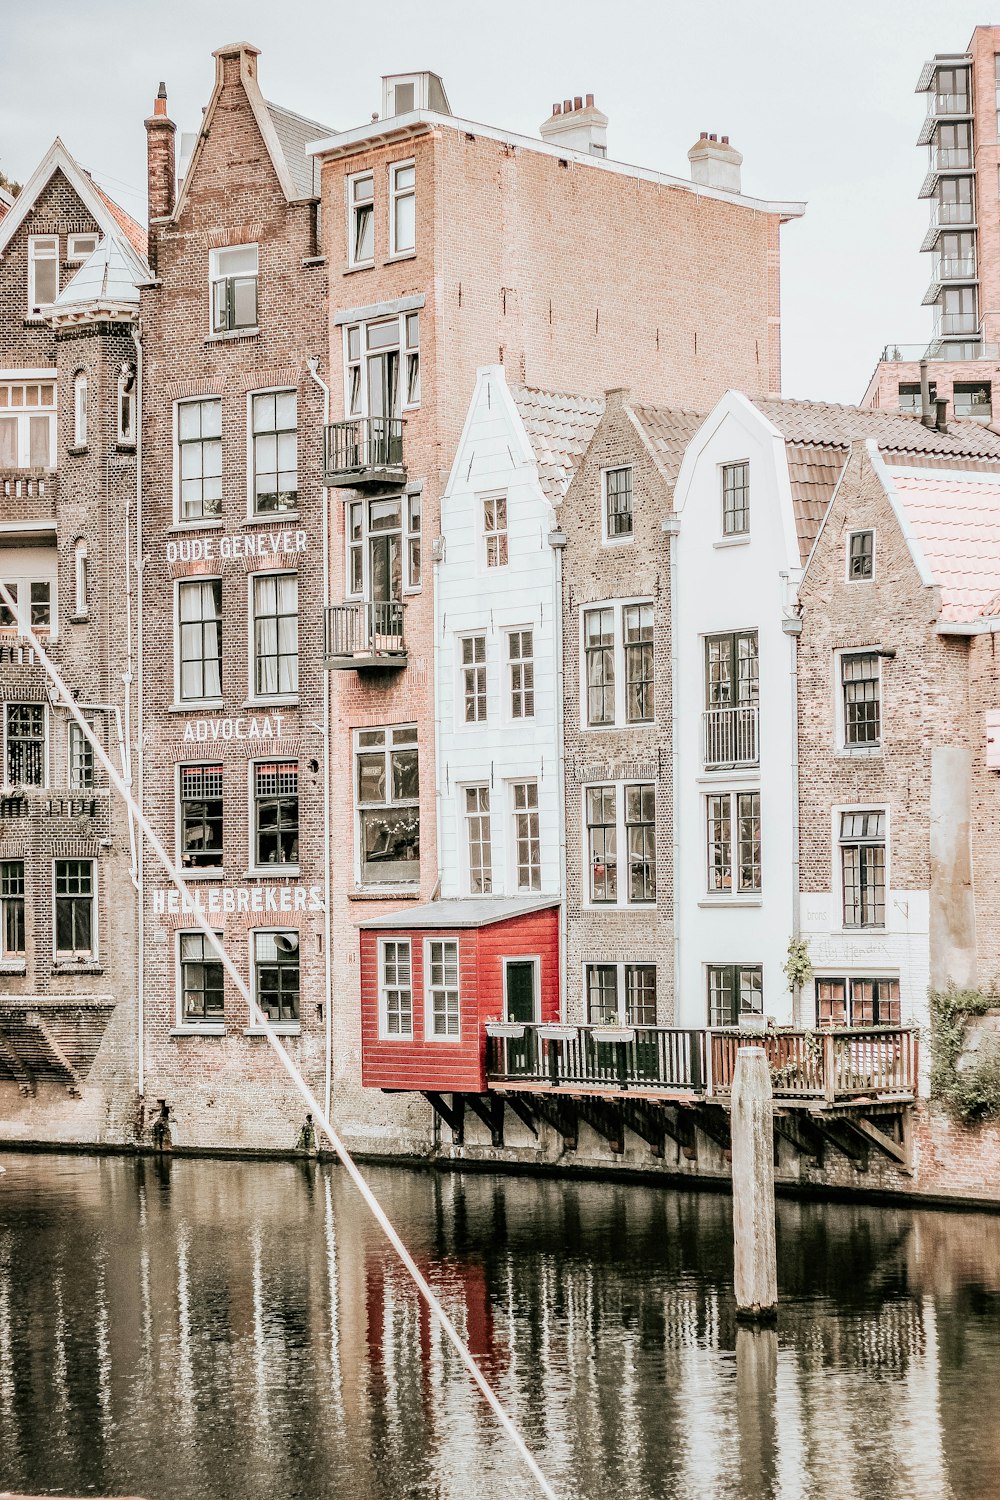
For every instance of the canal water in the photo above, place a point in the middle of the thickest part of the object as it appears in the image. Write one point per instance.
(199, 1330)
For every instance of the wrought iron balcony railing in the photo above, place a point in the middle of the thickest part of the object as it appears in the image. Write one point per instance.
(731, 736)
(366, 634)
(363, 451)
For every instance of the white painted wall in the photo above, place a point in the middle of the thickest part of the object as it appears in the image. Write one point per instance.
(725, 585)
(494, 454)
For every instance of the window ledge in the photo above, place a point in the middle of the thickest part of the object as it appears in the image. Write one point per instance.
(314, 260)
(272, 872)
(383, 893)
(268, 518)
(280, 1028)
(859, 752)
(123, 447)
(400, 255)
(275, 702)
(625, 907)
(68, 967)
(728, 901)
(196, 525)
(13, 966)
(208, 1029)
(362, 265)
(195, 705)
(618, 541)
(80, 619)
(216, 873)
(231, 334)
(77, 449)
(733, 541)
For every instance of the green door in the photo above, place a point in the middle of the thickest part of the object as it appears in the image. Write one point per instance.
(521, 991)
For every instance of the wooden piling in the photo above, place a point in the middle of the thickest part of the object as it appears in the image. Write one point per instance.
(755, 1272)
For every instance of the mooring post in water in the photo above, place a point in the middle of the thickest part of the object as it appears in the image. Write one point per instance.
(755, 1265)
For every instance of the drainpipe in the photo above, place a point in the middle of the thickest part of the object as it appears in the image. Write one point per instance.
(140, 724)
(312, 364)
(437, 558)
(792, 627)
(557, 541)
(671, 526)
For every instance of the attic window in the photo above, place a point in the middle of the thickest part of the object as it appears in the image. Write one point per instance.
(43, 271)
(81, 246)
(233, 273)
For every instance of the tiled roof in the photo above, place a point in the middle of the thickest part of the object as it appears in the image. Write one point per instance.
(133, 232)
(294, 134)
(559, 428)
(956, 523)
(103, 281)
(465, 912)
(813, 471)
(668, 433)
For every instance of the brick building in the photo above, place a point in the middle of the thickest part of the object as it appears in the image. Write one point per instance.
(582, 274)
(71, 263)
(233, 707)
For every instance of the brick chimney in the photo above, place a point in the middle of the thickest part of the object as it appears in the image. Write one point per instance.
(576, 125)
(160, 170)
(715, 163)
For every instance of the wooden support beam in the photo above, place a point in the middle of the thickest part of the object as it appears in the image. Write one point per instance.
(489, 1109)
(607, 1117)
(453, 1115)
(520, 1105)
(647, 1123)
(562, 1114)
(842, 1134)
(679, 1125)
(712, 1120)
(797, 1128)
(897, 1151)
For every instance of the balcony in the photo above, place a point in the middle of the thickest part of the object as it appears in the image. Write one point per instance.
(951, 105)
(936, 350)
(364, 451)
(957, 325)
(950, 213)
(730, 736)
(364, 635)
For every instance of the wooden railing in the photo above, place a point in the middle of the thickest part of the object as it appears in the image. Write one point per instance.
(364, 449)
(826, 1065)
(370, 631)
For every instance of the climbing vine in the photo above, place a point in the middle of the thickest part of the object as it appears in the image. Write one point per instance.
(971, 1095)
(798, 965)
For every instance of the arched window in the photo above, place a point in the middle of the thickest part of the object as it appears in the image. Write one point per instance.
(80, 410)
(81, 580)
(126, 404)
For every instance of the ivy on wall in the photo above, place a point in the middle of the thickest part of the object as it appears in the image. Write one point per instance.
(971, 1095)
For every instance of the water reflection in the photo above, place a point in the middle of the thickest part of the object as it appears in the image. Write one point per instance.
(186, 1329)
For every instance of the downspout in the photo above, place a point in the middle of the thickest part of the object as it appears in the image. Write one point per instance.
(437, 557)
(312, 364)
(671, 526)
(557, 541)
(123, 756)
(140, 724)
(792, 627)
(125, 735)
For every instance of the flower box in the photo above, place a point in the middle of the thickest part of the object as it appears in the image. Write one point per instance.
(512, 1030)
(610, 1034)
(556, 1032)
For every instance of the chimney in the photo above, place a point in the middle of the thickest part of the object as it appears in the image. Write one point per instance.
(715, 163)
(577, 125)
(941, 403)
(160, 173)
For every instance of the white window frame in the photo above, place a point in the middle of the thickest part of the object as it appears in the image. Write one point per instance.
(859, 531)
(621, 696)
(46, 735)
(126, 391)
(75, 736)
(406, 536)
(606, 537)
(841, 747)
(621, 900)
(277, 867)
(198, 872)
(430, 1034)
(384, 1034)
(404, 349)
(733, 538)
(215, 278)
(837, 923)
(15, 958)
(385, 749)
(508, 672)
(534, 959)
(461, 667)
(81, 579)
(483, 498)
(253, 514)
(39, 248)
(23, 379)
(80, 409)
(397, 193)
(215, 702)
(280, 1028)
(734, 895)
(21, 588)
(464, 817)
(64, 956)
(513, 812)
(194, 1027)
(351, 207)
(254, 694)
(179, 518)
(73, 248)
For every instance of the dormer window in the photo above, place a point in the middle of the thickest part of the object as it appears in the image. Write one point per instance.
(233, 274)
(43, 271)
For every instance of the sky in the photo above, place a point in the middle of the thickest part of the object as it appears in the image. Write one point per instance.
(818, 97)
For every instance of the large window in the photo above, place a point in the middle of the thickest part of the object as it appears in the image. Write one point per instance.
(862, 855)
(395, 973)
(24, 734)
(402, 208)
(607, 985)
(199, 460)
(617, 485)
(474, 678)
(618, 658)
(274, 420)
(276, 634)
(733, 836)
(12, 926)
(27, 424)
(233, 273)
(361, 219)
(199, 612)
(621, 816)
(81, 759)
(388, 791)
(33, 600)
(477, 824)
(861, 689)
(732, 690)
(202, 994)
(521, 666)
(276, 975)
(383, 547)
(76, 927)
(735, 499)
(974, 399)
(527, 837)
(43, 271)
(734, 991)
(276, 813)
(383, 366)
(441, 983)
(848, 1001)
(495, 531)
(201, 817)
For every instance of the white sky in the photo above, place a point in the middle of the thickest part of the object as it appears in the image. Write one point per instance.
(818, 97)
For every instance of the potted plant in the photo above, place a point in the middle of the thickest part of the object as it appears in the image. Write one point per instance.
(613, 1031)
(557, 1031)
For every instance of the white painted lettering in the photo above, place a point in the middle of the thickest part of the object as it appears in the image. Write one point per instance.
(243, 900)
(270, 900)
(300, 898)
(229, 901)
(173, 903)
(315, 898)
(213, 900)
(300, 541)
(285, 898)
(159, 903)
(257, 899)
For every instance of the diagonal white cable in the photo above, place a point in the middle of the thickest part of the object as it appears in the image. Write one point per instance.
(259, 1019)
